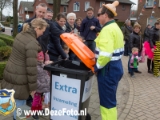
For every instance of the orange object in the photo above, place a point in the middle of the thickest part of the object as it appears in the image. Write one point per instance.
(80, 49)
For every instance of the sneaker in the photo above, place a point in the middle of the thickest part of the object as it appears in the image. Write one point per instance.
(137, 71)
(133, 76)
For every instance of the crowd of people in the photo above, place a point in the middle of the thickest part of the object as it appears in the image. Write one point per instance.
(39, 44)
(147, 44)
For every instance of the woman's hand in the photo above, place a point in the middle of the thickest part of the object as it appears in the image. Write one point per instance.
(152, 49)
(48, 62)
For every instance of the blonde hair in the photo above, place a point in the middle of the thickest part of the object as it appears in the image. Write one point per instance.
(137, 25)
(38, 22)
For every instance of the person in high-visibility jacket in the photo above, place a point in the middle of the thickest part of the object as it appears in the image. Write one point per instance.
(109, 70)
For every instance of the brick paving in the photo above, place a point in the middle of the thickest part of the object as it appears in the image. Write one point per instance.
(137, 98)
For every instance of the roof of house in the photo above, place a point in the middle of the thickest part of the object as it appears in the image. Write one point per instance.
(63, 2)
(28, 5)
(123, 1)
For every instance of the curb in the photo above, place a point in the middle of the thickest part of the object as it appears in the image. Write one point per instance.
(128, 106)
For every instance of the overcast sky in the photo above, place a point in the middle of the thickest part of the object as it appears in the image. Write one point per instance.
(9, 11)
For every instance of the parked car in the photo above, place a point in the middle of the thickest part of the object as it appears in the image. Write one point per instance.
(19, 28)
(2, 28)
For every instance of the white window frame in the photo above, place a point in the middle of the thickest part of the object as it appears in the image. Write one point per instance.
(150, 5)
(101, 3)
(148, 19)
(85, 5)
(65, 7)
(159, 3)
(76, 7)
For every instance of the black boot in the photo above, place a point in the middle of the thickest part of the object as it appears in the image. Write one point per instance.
(88, 117)
(35, 117)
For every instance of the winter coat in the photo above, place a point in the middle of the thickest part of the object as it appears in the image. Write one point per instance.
(45, 38)
(55, 45)
(43, 79)
(134, 61)
(154, 36)
(69, 28)
(135, 41)
(146, 34)
(126, 32)
(85, 30)
(20, 72)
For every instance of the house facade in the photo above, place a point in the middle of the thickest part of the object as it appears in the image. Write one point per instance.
(148, 12)
(79, 7)
(27, 9)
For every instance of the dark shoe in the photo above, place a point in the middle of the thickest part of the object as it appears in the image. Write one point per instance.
(137, 71)
(14, 119)
(35, 117)
(150, 71)
(88, 117)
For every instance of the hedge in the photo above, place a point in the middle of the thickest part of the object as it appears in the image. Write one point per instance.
(7, 39)
(2, 43)
(2, 66)
(5, 52)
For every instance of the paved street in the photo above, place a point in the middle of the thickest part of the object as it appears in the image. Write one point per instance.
(137, 98)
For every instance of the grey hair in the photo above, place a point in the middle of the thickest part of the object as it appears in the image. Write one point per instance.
(42, 5)
(127, 21)
(71, 15)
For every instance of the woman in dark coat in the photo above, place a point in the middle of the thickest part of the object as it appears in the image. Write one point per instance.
(55, 44)
(20, 73)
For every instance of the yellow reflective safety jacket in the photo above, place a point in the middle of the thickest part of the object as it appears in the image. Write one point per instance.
(109, 45)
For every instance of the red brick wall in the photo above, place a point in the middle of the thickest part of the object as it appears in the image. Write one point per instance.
(147, 14)
(81, 13)
(122, 14)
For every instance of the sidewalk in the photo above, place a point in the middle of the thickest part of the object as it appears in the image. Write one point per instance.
(137, 98)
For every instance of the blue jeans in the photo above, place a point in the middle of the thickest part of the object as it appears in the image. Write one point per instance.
(19, 103)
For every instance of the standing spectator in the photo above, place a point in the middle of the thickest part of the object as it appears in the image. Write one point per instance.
(40, 12)
(20, 73)
(55, 45)
(154, 47)
(71, 28)
(43, 40)
(70, 24)
(134, 61)
(127, 30)
(89, 28)
(146, 33)
(78, 24)
(49, 14)
(109, 69)
(146, 41)
(135, 40)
